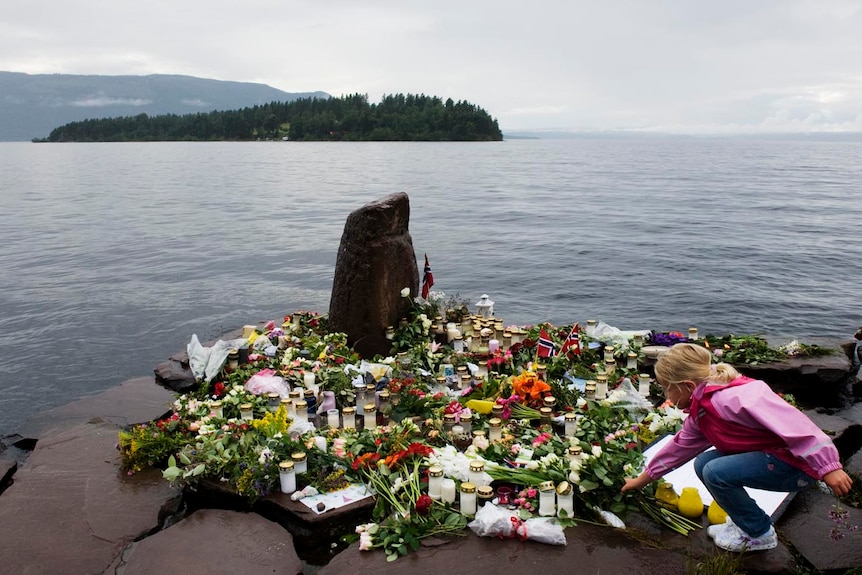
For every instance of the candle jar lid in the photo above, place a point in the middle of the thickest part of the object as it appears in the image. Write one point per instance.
(564, 488)
(478, 433)
(477, 466)
(591, 322)
(497, 409)
(485, 492)
(286, 401)
(233, 354)
(590, 386)
(216, 403)
(449, 417)
(465, 377)
(435, 471)
(462, 369)
(466, 417)
(550, 401)
(570, 416)
(295, 394)
(602, 378)
(285, 466)
(575, 450)
(370, 387)
(309, 393)
(384, 395)
(541, 367)
(495, 422)
(546, 411)
(245, 406)
(546, 486)
(369, 408)
(441, 379)
(468, 487)
(301, 404)
(632, 355)
(348, 410)
(298, 456)
(272, 394)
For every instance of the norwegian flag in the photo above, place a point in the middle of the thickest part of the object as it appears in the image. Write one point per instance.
(572, 343)
(546, 346)
(427, 279)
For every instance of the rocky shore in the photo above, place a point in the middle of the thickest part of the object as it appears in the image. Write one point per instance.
(66, 508)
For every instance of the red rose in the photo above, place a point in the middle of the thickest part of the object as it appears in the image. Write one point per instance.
(423, 504)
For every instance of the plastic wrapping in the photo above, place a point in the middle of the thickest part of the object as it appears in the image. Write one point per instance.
(266, 381)
(207, 362)
(494, 521)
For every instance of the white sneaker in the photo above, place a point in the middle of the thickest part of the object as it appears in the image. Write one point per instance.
(736, 540)
(714, 530)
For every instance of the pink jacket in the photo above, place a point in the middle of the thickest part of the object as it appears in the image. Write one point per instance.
(750, 403)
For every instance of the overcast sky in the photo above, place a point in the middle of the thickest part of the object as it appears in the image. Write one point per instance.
(690, 66)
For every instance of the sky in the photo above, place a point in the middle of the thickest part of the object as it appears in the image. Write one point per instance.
(677, 66)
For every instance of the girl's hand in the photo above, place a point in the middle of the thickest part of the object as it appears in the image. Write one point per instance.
(838, 481)
(634, 483)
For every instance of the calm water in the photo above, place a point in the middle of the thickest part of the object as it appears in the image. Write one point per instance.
(113, 255)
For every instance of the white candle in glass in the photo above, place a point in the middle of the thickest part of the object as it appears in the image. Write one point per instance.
(632, 362)
(435, 481)
(216, 410)
(300, 462)
(349, 416)
(468, 498)
(493, 346)
(643, 384)
(601, 387)
(547, 499)
(571, 421)
(495, 429)
(246, 412)
(301, 408)
(332, 419)
(591, 328)
(370, 416)
(565, 500)
(287, 477)
(447, 490)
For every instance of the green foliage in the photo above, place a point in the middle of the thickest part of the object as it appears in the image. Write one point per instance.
(349, 118)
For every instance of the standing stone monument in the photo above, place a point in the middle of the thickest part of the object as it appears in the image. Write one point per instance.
(375, 262)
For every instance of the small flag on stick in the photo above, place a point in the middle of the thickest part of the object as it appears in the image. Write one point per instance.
(572, 343)
(546, 346)
(427, 279)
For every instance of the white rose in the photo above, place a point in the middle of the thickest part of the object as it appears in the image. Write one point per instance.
(574, 478)
(597, 451)
(575, 464)
(405, 292)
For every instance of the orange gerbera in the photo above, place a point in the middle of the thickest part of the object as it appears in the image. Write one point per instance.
(529, 386)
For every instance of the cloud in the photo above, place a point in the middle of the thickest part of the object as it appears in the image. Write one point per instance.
(100, 101)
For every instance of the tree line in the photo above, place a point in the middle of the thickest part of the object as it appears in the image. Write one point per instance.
(348, 118)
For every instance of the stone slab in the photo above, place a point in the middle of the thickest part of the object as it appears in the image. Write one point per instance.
(69, 510)
(133, 401)
(215, 541)
(808, 525)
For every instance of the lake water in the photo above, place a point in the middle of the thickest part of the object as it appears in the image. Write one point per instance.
(113, 255)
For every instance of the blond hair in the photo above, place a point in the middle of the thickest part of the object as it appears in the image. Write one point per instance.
(690, 362)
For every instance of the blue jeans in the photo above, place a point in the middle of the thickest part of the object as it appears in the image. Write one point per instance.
(725, 476)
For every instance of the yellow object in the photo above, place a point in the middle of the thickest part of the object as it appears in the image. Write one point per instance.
(690, 504)
(666, 496)
(716, 514)
(480, 406)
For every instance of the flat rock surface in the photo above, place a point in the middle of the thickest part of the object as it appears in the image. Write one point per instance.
(71, 511)
(826, 541)
(133, 401)
(214, 541)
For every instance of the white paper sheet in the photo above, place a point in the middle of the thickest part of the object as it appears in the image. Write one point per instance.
(769, 501)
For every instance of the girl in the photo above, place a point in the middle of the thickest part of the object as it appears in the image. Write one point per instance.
(760, 440)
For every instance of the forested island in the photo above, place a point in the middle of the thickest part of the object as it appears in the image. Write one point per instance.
(397, 117)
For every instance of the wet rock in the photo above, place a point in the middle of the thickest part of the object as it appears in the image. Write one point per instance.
(826, 541)
(822, 381)
(215, 541)
(71, 511)
(7, 470)
(133, 401)
(375, 261)
(589, 549)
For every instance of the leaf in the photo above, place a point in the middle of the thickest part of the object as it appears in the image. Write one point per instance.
(185, 459)
(199, 469)
(391, 557)
(171, 473)
(172, 462)
(588, 485)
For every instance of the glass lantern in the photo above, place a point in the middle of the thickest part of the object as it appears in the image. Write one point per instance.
(485, 307)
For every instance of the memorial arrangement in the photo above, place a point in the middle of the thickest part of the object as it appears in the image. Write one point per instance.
(515, 431)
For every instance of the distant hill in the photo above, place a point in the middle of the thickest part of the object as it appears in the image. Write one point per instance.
(33, 105)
